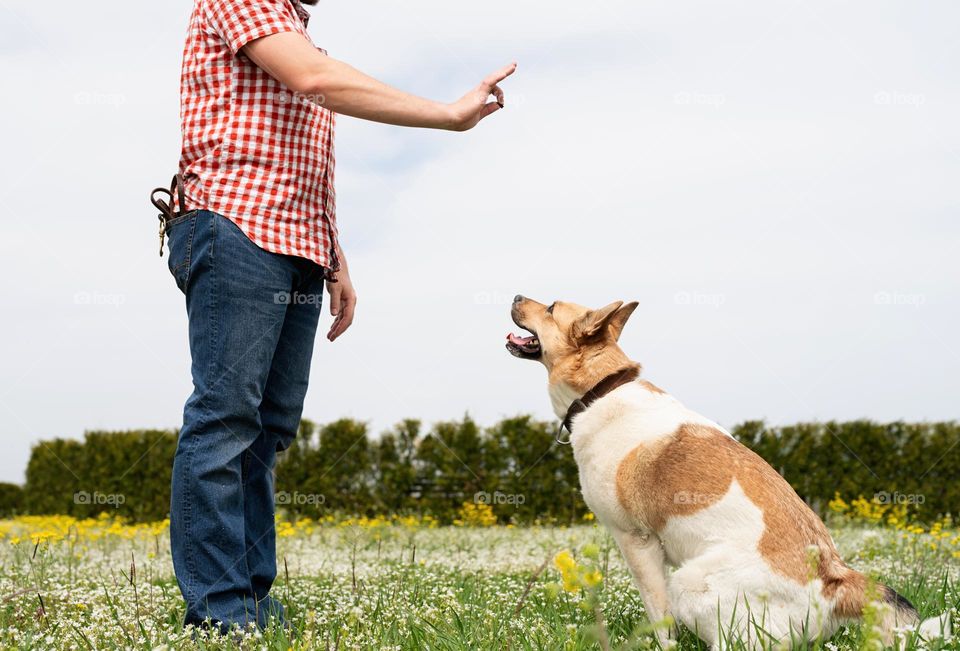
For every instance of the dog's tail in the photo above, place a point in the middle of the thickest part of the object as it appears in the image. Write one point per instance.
(883, 608)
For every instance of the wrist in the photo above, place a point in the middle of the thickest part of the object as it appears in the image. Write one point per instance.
(446, 117)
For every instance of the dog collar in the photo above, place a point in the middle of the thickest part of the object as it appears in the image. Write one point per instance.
(602, 388)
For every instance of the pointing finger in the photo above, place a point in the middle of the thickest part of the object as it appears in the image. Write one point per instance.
(498, 76)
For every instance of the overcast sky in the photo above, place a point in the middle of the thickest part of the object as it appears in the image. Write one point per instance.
(775, 182)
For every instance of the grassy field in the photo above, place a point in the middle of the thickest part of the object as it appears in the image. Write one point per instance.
(404, 583)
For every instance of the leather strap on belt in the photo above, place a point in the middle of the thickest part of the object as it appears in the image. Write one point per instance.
(164, 203)
(166, 208)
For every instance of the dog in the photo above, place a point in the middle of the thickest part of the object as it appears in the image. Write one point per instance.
(753, 562)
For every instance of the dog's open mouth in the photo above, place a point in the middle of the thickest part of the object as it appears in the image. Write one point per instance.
(525, 347)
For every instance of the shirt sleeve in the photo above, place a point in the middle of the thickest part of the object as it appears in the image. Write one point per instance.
(239, 22)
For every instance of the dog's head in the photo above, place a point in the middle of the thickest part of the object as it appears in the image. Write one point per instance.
(576, 344)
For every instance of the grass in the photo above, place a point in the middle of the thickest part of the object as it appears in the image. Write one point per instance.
(399, 583)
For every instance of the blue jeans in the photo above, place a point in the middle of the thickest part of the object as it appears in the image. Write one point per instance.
(252, 320)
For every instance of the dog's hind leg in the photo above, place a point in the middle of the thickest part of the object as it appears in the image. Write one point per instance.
(695, 604)
(723, 597)
(645, 558)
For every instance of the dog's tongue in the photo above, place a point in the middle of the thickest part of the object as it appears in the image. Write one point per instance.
(528, 344)
(520, 341)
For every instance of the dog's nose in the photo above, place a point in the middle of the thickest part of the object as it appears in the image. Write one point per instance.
(518, 298)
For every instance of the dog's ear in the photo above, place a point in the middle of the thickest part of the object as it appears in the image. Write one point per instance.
(594, 322)
(619, 319)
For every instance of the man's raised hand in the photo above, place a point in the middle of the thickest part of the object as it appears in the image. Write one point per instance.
(474, 106)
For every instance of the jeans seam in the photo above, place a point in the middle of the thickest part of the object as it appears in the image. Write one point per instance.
(213, 315)
(187, 506)
(192, 234)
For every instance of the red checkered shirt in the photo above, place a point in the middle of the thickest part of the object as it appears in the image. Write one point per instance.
(253, 150)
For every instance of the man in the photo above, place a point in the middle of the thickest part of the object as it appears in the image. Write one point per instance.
(251, 249)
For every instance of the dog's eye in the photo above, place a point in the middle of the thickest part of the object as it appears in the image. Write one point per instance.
(550, 309)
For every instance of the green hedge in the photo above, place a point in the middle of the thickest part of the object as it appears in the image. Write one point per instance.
(917, 463)
(11, 500)
(127, 473)
(514, 466)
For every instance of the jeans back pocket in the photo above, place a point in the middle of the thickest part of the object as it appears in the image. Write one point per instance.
(180, 232)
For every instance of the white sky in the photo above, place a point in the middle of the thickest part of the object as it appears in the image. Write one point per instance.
(775, 182)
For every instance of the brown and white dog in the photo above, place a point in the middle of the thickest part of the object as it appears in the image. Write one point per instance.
(753, 562)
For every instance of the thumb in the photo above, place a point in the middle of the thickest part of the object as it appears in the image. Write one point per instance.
(492, 107)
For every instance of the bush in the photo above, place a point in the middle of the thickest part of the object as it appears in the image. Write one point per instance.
(900, 463)
(514, 469)
(11, 500)
(122, 473)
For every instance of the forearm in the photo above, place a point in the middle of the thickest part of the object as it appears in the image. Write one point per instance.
(342, 88)
(293, 61)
